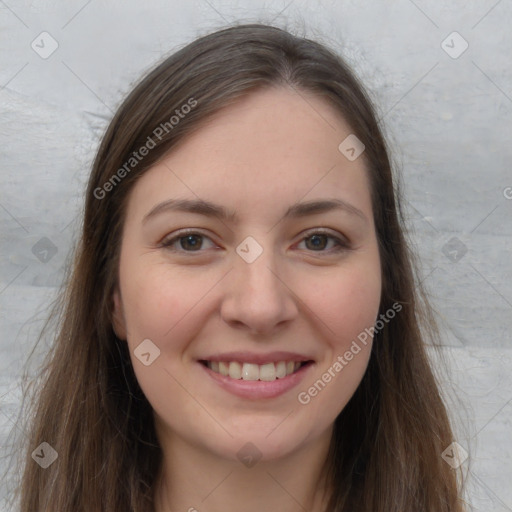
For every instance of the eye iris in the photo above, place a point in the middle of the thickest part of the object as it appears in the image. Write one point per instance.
(194, 245)
(315, 239)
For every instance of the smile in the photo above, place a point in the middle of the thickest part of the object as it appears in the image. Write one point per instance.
(250, 371)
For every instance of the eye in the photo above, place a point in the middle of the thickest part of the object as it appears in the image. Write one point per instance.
(192, 241)
(189, 241)
(320, 239)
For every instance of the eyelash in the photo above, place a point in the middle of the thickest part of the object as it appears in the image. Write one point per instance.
(341, 245)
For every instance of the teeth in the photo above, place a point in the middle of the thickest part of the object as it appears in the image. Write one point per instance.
(235, 370)
(223, 368)
(281, 369)
(268, 371)
(250, 371)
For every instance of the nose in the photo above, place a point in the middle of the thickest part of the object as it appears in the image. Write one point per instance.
(257, 297)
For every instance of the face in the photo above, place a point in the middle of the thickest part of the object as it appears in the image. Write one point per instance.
(274, 292)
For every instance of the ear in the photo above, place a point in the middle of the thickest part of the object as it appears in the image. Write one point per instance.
(118, 320)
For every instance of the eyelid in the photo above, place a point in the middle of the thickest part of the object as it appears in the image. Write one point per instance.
(325, 231)
(170, 240)
(342, 243)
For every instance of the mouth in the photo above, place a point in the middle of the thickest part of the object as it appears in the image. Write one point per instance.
(239, 370)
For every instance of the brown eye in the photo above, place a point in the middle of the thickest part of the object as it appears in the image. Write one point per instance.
(190, 242)
(318, 242)
(185, 242)
(193, 241)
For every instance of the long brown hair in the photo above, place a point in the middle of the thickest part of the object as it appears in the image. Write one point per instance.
(388, 440)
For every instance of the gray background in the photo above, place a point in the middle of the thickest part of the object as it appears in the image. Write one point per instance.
(448, 120)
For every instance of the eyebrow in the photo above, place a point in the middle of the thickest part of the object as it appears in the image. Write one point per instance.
(209, 209)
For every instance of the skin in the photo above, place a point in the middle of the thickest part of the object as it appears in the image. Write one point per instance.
(257, 157)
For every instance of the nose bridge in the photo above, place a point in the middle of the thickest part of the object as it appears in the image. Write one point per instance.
(257, 265)
(258, 297)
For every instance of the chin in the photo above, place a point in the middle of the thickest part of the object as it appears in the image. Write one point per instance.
(260, 445)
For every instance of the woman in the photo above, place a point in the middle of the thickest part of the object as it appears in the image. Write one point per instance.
(242, 328)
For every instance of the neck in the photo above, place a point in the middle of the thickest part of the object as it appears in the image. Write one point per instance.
(192, 479)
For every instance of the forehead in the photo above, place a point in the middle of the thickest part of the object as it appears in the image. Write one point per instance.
(273, 147)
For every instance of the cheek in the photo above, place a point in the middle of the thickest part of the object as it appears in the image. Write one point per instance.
(159, 302)
(346, 301)
(334, 384)
(157, 297)
(347, 306)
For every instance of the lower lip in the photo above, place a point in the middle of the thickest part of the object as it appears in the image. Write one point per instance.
(258, 389)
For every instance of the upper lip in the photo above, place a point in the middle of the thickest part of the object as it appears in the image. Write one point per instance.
(251, 357)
